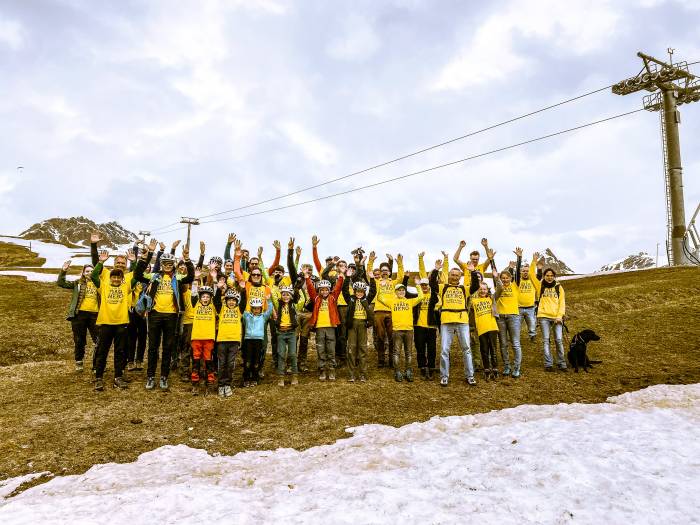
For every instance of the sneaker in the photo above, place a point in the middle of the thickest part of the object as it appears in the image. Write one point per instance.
(516, 373)
(222, 391)
(253, 383)
(471, 381)
(351, 379)
(163, 383)
(131, 367)
(548, 369)
(331, 375)
(139, 365)
(280, 382)
(261, 374)
(288, 370)
(303, 368)
(99, 385)
(150, 383)
(397, 376)
(228, 391)
(78, 366)
(120, 383)
(506, 370)
(443, 381)
(409, 375)
(363, 379)
(322, 375)
(246, 384)
(295, 379)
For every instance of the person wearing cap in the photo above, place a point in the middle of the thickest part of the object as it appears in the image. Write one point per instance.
(82, 312)
(402, 322)
(358, 318)
(203, 336)
(285, 326)
(425, 322)
(165, 288)
(254, 319)
(324, 319)
(228, 336)
(113, 318)
(453, 298)
(382, 314)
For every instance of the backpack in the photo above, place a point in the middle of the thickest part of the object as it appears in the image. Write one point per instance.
(145, 302)
(464, 291)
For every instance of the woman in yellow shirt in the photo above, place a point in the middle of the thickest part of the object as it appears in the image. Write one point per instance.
(509, 324)
(550, 312)
(485, 316)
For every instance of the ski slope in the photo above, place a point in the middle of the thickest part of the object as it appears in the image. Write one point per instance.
(634, 459)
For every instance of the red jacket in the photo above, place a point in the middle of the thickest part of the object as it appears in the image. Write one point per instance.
(332, 301)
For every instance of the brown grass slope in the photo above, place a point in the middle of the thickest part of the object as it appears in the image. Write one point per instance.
(52, 420)
(16, 255)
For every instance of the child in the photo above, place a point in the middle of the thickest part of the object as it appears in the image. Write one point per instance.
(203, 336)
(255, 321)
(325, 318)
(358, 319)
(402, 322)
(285, 327)
(485, 315)
(228, 338)
(113, 320)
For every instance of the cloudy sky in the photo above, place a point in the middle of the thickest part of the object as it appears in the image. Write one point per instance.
(142, 112)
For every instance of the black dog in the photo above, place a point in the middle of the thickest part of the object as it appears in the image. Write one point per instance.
(577, 350)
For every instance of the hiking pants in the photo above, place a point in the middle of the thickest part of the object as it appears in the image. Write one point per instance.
(119, 334)
(161, 326)
(383, 336)
(426, 343)
(202, 350)
(227, 352)
(487, 344)
(402, 338)
(184, 347)
(138, 332)
(81, 324)
(357, 348)
(251, 358)
(325, 348)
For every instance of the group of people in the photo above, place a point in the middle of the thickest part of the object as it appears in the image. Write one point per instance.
(198, 319)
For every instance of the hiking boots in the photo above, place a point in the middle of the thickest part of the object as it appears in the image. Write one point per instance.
(443, 381)
(548, 369)
(516, 373)
(322, 375)
(471, 381)
(363, 379)
(78, 366)
(99, 385)
(150, 383)
(163, 383)
(185, 376)
(295, 379)
(397, 376)
(227, 391)
(195, 389)
(120, 383)
(506, 370)
(351, 378)
(409, 375)
(331, 375)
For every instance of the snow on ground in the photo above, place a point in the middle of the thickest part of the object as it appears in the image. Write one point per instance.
(634, 459)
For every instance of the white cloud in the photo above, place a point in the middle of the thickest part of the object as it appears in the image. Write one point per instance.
(492, 52)
(358, 42)
(12, 34)
(313, 147)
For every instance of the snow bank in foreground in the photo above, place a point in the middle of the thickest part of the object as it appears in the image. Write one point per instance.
(635, 459)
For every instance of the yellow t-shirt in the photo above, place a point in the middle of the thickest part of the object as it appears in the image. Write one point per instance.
(526, 293)
(423, 314)
(385, 288)
(360, 312)
(483, 314)
(165, 302)
(114, 303)
(257, 291)
(402, 310)
(89, 303)
(204, 324)
(285, 318)
(551, 306)
(456, 300)
(188, 314)
(229, 324)
(324, 316)
(507, 303)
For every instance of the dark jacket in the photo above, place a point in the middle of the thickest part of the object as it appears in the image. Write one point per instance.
(366, 302)
(433, 315)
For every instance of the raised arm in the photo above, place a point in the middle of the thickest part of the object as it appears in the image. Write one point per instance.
(518, 263)
(458, 253)
(317, 262)
(237, 261)
(399, 273)
(229, 242)
(421, 266)
(291, 266)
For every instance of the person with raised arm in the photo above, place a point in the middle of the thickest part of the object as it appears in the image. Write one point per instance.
(527, 288)
(304, 305)
(426, 320)
(358, 319)
(229, 337)
(82, 311)
(483, 304)
(550, 313)
(382, 314)
(509, 323)
(324, 319)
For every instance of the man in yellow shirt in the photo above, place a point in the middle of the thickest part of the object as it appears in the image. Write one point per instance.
(402, 322)
(113, 320)
(383, 329)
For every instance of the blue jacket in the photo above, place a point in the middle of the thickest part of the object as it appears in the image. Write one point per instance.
(255, 324)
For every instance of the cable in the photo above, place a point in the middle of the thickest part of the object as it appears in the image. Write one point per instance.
(403, 157)
(164, 227)
(412, 174)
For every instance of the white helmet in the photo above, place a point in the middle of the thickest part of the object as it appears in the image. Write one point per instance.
(288, 289)
(359, 285)
(167, 258)
(206, 289)
(323, 284)
(256, 302)
(232, 294)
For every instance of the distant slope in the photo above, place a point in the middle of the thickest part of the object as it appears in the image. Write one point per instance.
(15, 255)
(552, 261)
(76, 231)
(637, 261)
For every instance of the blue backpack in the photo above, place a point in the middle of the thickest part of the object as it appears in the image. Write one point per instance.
(145, 301)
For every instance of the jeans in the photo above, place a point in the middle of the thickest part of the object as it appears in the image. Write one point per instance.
(402, 338)
(509, 331)
(287, 346)
(325, 348)
(447, 332)
(546, 323)
(161, 326)
(528, 315)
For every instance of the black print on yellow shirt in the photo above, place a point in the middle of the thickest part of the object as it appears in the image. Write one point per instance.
(204, 312)
(507, 291)
(90, 292)
(482, 307)
(115, 295)
(401, 307)
(164, 287)
(231, 314)
(525, 286)
(454, 295)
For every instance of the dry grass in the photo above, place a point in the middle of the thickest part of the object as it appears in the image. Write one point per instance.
(52, 420)
(16, 255)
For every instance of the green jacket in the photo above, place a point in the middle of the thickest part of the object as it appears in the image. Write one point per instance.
(78, 287)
